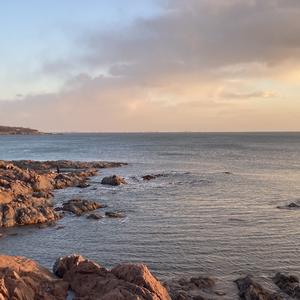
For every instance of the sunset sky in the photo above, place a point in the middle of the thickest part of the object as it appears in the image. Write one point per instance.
(150, 65)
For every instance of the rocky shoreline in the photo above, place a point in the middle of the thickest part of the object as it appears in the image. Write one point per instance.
(75, 277)
(26, 198)
(26, 188)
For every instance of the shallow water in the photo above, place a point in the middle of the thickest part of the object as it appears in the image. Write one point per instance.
(195, 220)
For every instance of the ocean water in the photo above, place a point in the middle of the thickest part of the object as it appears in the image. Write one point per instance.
(197, 219)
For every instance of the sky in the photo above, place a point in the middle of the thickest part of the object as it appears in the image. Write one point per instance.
(150, 65)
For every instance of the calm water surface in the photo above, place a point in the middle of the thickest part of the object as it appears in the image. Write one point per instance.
(195, 220)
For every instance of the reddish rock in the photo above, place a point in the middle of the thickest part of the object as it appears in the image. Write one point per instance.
(91, 281)
(140, 275)
(26, 189)
(24, 279)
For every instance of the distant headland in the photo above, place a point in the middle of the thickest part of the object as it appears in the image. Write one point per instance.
(7, 130)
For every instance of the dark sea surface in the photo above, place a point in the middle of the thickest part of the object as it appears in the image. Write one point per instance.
(197, 219)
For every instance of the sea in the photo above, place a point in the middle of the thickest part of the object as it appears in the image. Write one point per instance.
(213, 212)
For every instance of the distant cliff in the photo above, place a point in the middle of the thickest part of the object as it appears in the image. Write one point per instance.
(6, 130)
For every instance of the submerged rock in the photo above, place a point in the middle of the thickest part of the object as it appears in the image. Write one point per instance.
(151, 177)
(113, 180)
(291, 205)
(83, 185)
(94, 216)
(250, 289)
(115, 214)
(89, 280)
(288, 284)
(194, 288)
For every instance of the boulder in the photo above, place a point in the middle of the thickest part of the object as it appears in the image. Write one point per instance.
(140, 275)
(91, 281)
(79, 206)
(24, 279)
(113, 180)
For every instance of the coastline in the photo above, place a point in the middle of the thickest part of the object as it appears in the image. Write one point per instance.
(76, 277)
(26, 188)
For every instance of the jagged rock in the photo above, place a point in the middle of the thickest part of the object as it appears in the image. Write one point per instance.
(32, 215)
(288, 284)
(115, 214)
(113, 180)
(26, 188)
(24, 279)
(79, 206)
(91, 281)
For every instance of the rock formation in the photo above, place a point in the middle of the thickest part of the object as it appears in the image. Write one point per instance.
(24, 279)
(26, 188)
(89, 280)
(79, 207)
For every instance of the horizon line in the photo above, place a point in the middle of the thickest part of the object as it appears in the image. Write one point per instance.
(145, 132)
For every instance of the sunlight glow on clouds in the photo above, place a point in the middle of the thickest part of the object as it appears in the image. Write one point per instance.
(193, 65)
